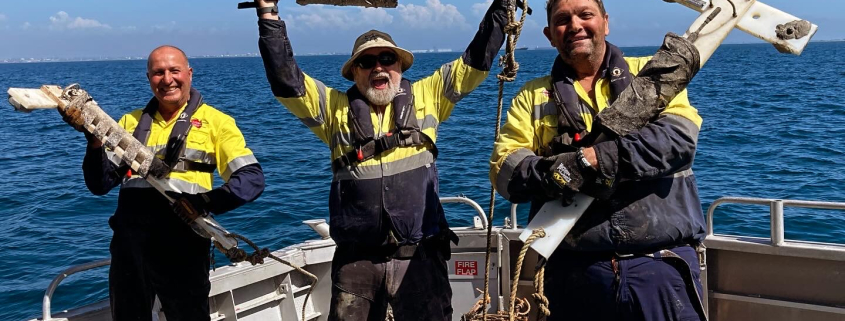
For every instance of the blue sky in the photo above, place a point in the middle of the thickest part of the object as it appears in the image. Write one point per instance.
(99, 28)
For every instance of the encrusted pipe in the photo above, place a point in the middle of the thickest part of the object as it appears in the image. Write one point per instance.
(96, 122)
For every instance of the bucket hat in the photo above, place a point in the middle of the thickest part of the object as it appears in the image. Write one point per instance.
(375, 39)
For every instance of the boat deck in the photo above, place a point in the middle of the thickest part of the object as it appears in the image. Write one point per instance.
(746, 278)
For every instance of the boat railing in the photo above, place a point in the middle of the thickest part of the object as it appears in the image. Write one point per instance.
(775, 211)
(741, 270)
(513, 222)
(466, 200)
(48, 295)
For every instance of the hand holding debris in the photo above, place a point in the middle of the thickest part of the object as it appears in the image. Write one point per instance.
(664, 76)
(73, 117)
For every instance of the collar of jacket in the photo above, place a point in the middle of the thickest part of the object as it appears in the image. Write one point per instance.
(404, 113)
(614, 67)
(176, 141)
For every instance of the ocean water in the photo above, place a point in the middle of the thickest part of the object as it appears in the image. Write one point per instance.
(773, 127)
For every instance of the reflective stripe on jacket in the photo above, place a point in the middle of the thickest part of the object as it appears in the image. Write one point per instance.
(656, 202)
(214, 139)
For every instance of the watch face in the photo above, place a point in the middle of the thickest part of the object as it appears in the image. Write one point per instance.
(585, 162)
(583, 159)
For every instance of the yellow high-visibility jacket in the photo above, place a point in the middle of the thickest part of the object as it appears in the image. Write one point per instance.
(213, 143)
(396, 190)
(215, 139)
(655, 190)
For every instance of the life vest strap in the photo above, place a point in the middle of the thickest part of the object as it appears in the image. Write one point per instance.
(373, 147)
(572, 131)
(186, 165)
(175, 148)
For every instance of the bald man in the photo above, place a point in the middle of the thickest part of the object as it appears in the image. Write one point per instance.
(154, 252)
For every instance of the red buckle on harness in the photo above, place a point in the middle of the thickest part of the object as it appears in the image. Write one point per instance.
(577, 137)
(360, 156)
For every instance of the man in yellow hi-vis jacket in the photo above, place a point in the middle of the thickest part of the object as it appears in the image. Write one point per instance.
(153, 252)
(631, 255)
(385, 214)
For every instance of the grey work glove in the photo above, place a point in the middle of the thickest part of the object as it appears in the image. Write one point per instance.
(661, 79)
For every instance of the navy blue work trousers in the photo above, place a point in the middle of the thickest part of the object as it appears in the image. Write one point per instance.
(582, 286)
(417, 288)
(172, 264)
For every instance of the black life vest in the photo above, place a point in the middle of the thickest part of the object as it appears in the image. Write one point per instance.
(407, 130)
(362, 211)
(640, 216)
(572, 130)
(175, 149)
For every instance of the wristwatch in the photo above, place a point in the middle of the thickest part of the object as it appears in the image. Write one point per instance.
(583, 159)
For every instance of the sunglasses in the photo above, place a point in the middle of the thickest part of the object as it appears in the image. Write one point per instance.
(386, 59)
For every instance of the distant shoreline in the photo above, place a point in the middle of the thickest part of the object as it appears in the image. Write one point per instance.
(255, 55)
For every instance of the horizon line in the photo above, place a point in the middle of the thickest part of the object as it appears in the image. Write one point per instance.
(20, 60)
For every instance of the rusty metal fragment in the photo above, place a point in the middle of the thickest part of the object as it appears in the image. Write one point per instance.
(358, 3)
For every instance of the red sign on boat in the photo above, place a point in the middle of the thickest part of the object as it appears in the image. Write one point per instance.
(466, 268)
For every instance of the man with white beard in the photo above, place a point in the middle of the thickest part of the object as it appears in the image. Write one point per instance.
(385, 214)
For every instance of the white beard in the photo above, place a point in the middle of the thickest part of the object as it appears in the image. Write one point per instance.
(382, 97)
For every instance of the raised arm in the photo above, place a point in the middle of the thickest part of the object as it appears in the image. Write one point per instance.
(286, 79)
(305, 97)
(456, 79)
(485, 46)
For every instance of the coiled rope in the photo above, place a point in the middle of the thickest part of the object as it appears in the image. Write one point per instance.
(518, 308)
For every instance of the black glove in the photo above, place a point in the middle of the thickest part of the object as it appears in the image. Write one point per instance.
(502, 4)
(567, 176)
(564, 177)
(506, 4)
(190, 207)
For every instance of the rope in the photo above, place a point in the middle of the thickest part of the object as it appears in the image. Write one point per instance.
(536, 234)
(539, 291)
(521, 313)
(513, 29)
(519, 308)
(509, 69)
(239, 255)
